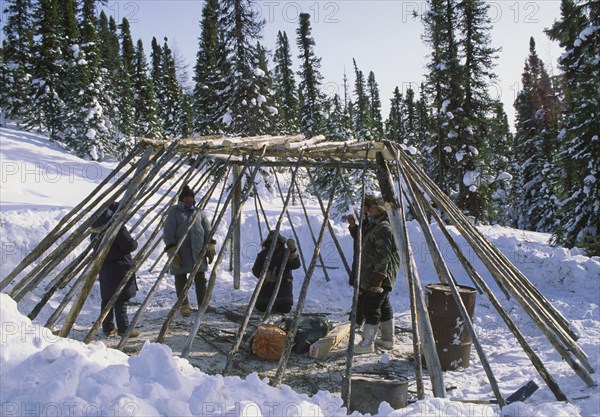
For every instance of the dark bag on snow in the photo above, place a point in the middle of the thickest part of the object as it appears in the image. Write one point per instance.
(310, 329)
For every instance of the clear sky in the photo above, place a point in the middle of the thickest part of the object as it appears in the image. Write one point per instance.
(382, 36)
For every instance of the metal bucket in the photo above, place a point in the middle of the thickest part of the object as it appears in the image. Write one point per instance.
(367, 393)
(452, 339)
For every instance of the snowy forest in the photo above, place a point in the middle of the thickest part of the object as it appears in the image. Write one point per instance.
(68, 69)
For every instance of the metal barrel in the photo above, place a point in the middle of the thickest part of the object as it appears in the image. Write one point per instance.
(452, 339)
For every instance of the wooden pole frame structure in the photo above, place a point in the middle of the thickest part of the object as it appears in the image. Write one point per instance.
(413, 189)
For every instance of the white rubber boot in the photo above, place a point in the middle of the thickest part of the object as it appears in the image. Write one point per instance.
(367, 345)
(386, 341)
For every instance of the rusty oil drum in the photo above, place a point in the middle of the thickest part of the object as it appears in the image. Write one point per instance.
(452, 338)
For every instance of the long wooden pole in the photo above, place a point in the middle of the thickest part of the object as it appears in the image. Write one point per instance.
(161, 275)
(259, 284)
(447, 278)
(198, 262)
(92, 270)
(62, 227)
(330, 227)
(346, 390)
(289, 217)
(478, 279)
(548, 327)
(291, 335)
(398, 223)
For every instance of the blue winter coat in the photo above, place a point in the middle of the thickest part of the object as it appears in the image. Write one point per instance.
(174, 229)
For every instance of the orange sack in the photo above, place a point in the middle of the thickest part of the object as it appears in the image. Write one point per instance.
(269, 342)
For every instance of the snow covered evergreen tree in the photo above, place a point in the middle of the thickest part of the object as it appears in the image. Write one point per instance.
(169, 96)
(17, 59)
(145, 109)
(362, 113)
(474, 194)
(286, 94)
(243, 99)
(395, 123)
(374, 106)
(46, 104)
(207, 74)
(536, 175)
(578, 32)
(444, 92)
(500, 150)
(309, 88)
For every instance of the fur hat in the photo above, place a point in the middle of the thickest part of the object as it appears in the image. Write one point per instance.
(370, 199)
(186, 192)
(379, 204)
(280, 239)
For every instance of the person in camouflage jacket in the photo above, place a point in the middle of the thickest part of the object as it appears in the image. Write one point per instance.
(379, 268)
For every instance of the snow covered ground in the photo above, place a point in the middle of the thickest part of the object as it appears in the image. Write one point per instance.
(42, 374)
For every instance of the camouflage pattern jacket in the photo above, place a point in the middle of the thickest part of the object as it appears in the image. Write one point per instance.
(379, 253)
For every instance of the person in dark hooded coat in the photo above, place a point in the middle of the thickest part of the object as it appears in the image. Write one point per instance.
(117, 263)
(284, 299)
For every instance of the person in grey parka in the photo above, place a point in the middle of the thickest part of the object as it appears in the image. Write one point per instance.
(174, 229)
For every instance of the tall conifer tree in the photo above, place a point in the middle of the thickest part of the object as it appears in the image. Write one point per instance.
(579, 34)
(286, 94)
(17, 67)
(145, 109)
(311, 97)
(374, 106)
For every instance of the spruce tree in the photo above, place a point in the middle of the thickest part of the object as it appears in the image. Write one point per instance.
(243, 98)
(578, 33)
(536, 175)
(500, 141)
(146, 120)
(17, 66)
(362, 115)
(374, 106)
(477, 74)
(46, 104)
(443, 88)
(207, 74)
(90, 131)
(169, 96)
(395, 124)
(286, 94)
(310, 95)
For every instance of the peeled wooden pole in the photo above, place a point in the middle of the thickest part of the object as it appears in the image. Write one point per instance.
(139, 258)
(236, 205)
(474, 275)
(330, 227)
(548, 327)
(161, 181)
(284, 260)
(65, 276)
(447, 278)
(91, 271)
(346, 390)
(291, 334)
(49, 262)
(161, 275)
(261, 280)
(412, 292)
(289, 217)
(512, 274)
(198, 262)
(398, 223)
(65, 224)
(257, 216)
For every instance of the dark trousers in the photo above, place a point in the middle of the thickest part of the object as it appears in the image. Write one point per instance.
(375, 307)
(199, 282)
(118, 312)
